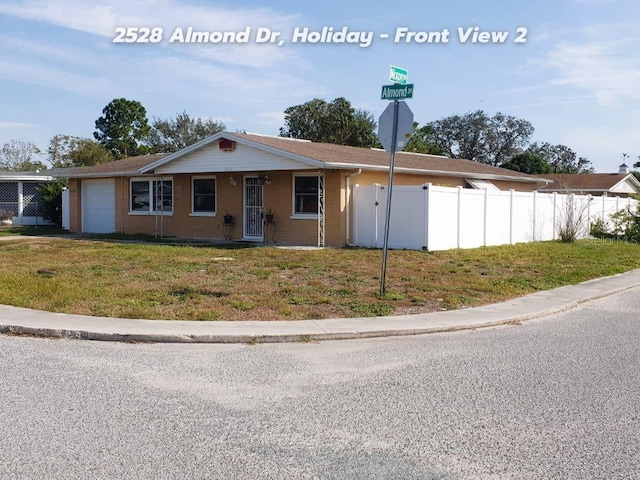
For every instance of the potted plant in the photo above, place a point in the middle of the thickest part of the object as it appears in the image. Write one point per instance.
(6, 217)
(228, 218)
(268, 215)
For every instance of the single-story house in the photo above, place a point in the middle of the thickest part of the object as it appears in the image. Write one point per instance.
(275, 189)
(19, 194)
(621, 184)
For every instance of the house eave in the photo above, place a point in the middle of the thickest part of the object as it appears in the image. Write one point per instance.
(26, 178)
(105, 174)
(436, 173)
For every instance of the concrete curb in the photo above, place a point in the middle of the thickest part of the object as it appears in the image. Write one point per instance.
(21, 321)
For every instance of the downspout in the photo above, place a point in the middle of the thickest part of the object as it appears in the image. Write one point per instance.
(348, 207)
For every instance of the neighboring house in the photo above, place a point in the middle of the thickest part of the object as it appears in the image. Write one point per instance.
(19, 194)
(307, 186)
(621, 184)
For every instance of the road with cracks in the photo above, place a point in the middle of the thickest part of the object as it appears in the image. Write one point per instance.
(548, 399)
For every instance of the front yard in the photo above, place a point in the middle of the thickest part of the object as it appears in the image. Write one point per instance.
(155, 281)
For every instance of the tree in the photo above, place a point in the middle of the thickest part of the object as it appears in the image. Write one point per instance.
(17, 155)
(422, 141)
(561, 158)
(478, 137)
(172, 135)
(69, 151)
(528, 162)
(336, 122)
(124, 123)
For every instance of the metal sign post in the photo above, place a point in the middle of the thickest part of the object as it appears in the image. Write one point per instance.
(395, 127)
(392, 161)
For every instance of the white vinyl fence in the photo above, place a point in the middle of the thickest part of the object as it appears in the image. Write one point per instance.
(440, 218)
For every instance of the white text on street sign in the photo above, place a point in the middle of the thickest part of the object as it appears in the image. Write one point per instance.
(397, 92)
(398, 75)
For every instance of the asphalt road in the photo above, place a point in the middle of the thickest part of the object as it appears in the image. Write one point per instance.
(557, 398)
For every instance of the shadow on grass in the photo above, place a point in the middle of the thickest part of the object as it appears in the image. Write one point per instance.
(30, 231)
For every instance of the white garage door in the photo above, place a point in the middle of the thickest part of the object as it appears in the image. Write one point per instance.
(98, 206)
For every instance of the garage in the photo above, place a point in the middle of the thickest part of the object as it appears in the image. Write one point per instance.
(98, 206)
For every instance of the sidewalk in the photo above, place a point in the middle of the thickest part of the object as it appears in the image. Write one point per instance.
(33, 322)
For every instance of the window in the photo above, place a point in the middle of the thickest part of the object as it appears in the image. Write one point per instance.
(305, 195)
(203, 195)
(149, 196)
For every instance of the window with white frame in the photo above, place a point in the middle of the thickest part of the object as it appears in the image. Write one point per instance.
(203, 195)
(305, 194)
(151, 195)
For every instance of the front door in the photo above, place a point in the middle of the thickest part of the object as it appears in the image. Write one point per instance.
(253, 206)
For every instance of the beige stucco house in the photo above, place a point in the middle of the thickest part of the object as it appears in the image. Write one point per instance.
(305, 186)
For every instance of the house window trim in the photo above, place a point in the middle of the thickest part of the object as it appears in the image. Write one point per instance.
(301, 216)
(151, 210)
(204, 214)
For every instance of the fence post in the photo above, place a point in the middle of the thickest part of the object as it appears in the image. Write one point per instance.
(376, 189)
(555, 210)
(604, 198)
(459, 222)
(486, 216)
(426, 189)
(589, 199)
(511, 192)
(535, 220)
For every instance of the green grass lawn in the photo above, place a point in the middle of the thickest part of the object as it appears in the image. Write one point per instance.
(154, 281)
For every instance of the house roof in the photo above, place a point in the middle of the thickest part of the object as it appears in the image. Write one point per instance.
(125, 167)
(327, 155)
(588, 182)
(318, 155)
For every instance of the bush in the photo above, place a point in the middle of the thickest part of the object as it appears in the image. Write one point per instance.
(626, 224)
(573, 219)
(599, 229)
(51, 194)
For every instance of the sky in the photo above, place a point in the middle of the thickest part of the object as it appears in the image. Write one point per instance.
(570, 67)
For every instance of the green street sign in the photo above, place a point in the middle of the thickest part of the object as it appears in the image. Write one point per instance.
(397, 92)
(398, 75)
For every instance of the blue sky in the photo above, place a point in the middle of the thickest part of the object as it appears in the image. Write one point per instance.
(576, 78)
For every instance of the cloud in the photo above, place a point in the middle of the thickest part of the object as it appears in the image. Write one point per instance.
(237, 85)
(605, 145)
(54, 78)
(271, 120)
(103, 16)
(605, 63)
(17, 125)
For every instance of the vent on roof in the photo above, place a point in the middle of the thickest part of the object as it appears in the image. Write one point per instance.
(227, 145)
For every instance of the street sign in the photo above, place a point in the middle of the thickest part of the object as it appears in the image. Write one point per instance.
(397, 92)
(405, 126)
(398, 75)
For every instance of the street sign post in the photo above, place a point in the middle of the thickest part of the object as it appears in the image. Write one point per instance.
(395, 127)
